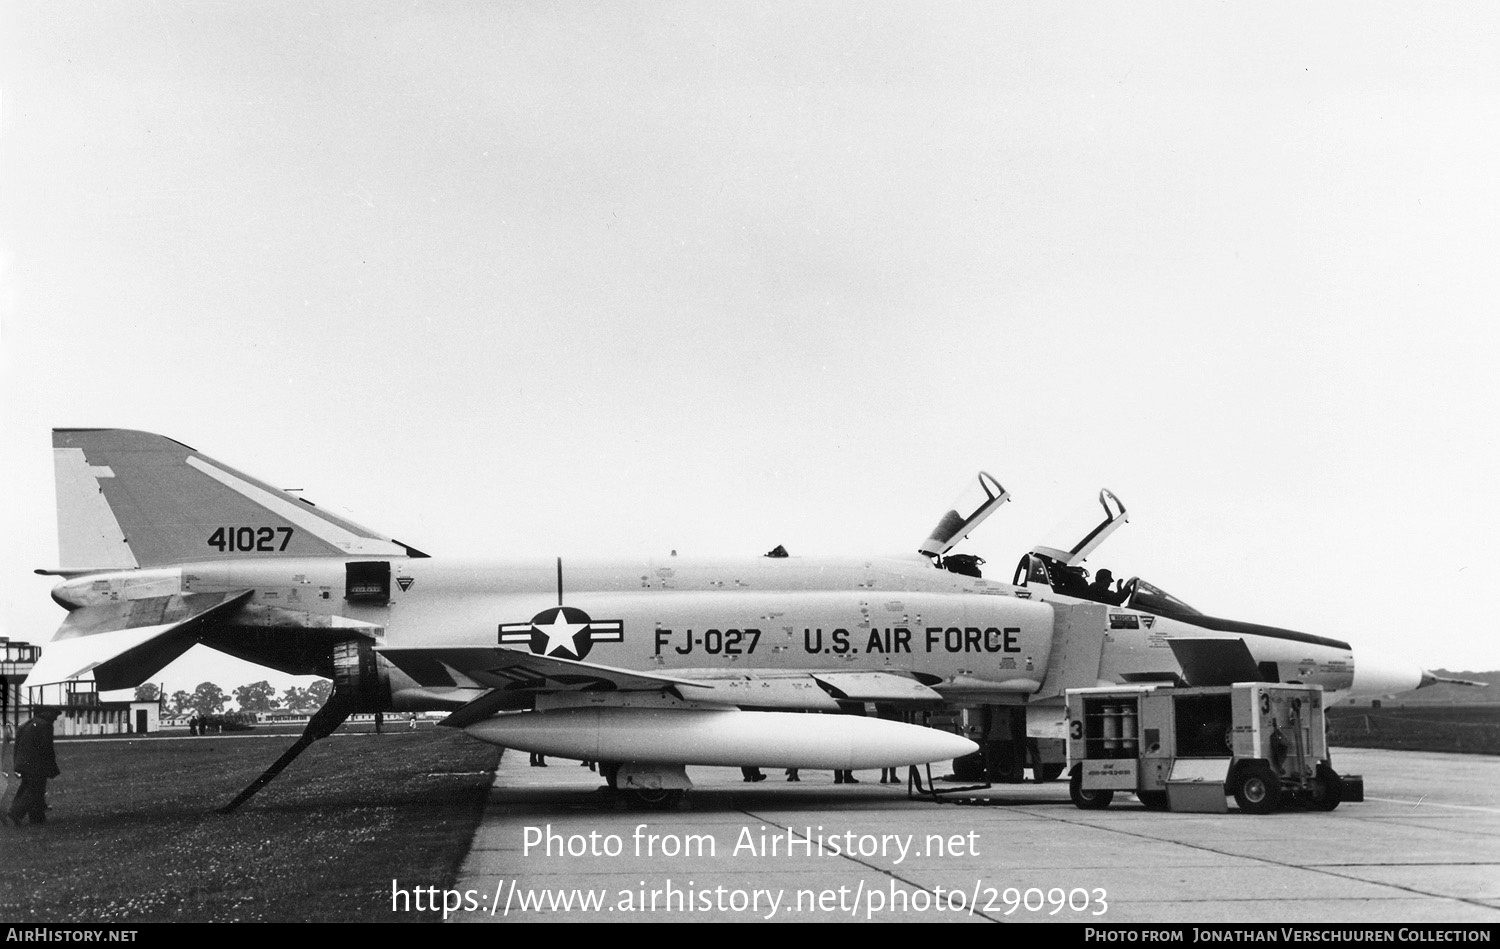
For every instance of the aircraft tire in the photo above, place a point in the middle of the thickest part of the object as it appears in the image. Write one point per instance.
(1257, 789)
(1087, 800)
(1007, 763)
(656, 799)
(1327, 789)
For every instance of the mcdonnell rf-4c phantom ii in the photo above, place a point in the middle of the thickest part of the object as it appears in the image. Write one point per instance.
(645, 666)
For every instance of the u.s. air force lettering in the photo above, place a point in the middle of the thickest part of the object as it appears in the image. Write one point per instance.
(840, 641)
(562, 631)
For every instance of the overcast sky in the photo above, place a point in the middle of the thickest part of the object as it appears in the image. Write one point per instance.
(524, 279)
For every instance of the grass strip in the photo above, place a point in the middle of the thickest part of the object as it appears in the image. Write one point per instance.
(134, 836)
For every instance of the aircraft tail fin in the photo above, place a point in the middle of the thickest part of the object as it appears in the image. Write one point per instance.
(133, 499)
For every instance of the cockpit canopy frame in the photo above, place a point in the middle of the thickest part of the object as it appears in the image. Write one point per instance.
(978, 501)
(1114, 518)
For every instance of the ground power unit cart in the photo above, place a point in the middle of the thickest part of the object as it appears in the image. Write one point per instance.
(1188, 749)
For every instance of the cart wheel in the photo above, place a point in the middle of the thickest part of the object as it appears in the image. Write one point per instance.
(1154, 800)
(1327, 789)
(970, 767)
(1047, 772)
(1090, 800)
(1257, 790)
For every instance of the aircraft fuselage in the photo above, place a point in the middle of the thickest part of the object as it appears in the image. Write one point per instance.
(958, 634)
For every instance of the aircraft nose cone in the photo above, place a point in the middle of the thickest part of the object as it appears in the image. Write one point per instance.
(1376, 676)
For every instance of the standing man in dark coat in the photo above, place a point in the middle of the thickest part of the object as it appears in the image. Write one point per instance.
(36, 762)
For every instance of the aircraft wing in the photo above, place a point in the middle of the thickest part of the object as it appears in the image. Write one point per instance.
(810, 690)
(875, 687)
(512, 670)
(124, 643)
(514, 677)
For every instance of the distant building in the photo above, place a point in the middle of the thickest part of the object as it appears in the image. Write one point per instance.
(16, 660)
(84, 713)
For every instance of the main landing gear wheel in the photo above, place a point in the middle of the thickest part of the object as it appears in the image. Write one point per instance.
(655, 799)
(1257, 790)
(1088, 800)
(1008, 763)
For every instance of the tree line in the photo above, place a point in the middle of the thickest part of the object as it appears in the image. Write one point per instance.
(208, 699)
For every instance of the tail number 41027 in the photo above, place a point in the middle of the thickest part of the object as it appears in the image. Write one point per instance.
(250, 538)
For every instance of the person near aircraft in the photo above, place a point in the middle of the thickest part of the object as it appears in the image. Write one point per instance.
(753, 775)
(1104, 588)
(792, 775)
(36, 761)
(538, 761)
(891, 713)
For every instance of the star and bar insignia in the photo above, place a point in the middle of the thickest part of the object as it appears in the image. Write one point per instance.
(562, 631)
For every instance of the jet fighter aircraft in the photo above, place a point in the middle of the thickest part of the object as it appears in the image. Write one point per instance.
(646, 666)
